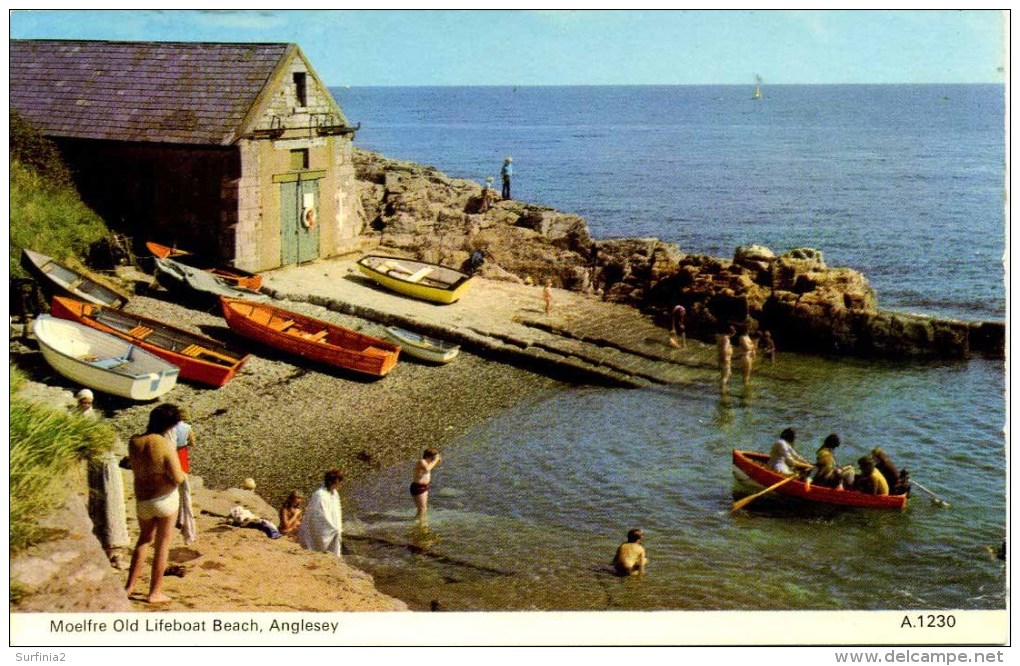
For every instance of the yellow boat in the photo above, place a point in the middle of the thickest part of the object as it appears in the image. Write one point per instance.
(417, 279)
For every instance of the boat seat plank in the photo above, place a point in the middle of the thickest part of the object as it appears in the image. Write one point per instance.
(140, 331)
(109, 363)
(375, 351)
(260, 316)
(420, 275)
(281, 324)
(319, 336)
(192, 350)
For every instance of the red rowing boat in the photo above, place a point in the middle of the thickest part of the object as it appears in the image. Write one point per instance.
(200, 359)
(752, 467)
(233, 276)
(311, 338)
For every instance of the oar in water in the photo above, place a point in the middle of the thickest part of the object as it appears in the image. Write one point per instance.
(740, 504)
(934, 498)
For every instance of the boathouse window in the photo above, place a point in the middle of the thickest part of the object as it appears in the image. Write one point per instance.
(301, 88)
(299, 159)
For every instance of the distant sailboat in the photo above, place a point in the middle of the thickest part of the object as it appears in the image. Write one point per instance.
(757, 87)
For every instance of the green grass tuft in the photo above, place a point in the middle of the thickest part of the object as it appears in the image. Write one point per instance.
(45, 444)
(46, 213)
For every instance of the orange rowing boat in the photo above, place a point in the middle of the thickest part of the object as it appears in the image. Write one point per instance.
(311, 338)
(752, 468)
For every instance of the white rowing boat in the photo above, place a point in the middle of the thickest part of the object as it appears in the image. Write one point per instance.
(102, 361)
(423, 347)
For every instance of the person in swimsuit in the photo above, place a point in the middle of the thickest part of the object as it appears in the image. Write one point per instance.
(679, 328)
(747, 354)
(157, 474)
(422, 478)
(768, 346)
(725, 349)
(547, 294)
(630, 557)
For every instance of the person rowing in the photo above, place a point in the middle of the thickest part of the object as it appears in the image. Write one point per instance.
(785, 459)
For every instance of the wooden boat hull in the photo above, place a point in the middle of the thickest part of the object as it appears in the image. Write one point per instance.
(232, 276)
(751, 467)
(417, 279)
(200, 359)
(57, 278)
(421, 346)
(311, 338)
(102, 361)
(195, 283)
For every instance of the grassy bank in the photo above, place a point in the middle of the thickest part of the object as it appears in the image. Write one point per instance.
(46, 212)
(45, 444)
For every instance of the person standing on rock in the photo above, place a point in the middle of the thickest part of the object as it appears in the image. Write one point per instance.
(725, 349)
(507, 172)
(768, 346)
(157, 475)
(747, 354)
(421, 478)
(547, 294)
(679, 328)
(322, 524)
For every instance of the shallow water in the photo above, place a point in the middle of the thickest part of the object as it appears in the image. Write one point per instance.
(528, 508)
(904, 183)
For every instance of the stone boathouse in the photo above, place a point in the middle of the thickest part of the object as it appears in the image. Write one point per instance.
(234, 150)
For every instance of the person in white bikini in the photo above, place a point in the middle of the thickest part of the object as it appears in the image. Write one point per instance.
(157, 473)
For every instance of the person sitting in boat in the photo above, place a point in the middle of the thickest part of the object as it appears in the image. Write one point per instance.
(827, 471)
(885, 465)
(785, 459)
(870, 481)
(631, 558)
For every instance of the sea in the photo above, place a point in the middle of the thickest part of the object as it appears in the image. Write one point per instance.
(905, 183)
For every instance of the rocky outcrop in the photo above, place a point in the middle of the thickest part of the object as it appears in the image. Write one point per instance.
(807, 305)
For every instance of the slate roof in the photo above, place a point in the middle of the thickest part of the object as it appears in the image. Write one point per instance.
(172, 92)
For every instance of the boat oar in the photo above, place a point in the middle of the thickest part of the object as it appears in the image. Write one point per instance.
(740, 504)
(934, 498)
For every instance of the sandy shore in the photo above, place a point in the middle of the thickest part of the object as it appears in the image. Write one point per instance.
(282, 421)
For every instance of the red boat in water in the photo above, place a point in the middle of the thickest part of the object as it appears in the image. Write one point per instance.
(311, 338)
(751, 467)
(200, 359)
(233, 276)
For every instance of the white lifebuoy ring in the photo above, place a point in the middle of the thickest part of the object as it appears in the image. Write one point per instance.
(308, 219)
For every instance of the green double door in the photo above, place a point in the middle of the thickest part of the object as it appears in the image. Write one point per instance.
(298, 227)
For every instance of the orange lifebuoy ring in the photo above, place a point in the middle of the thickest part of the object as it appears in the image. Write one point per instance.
(308, 219)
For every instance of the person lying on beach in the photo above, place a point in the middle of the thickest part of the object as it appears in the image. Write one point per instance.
(631, 558)
(421, 478)
(290, 513)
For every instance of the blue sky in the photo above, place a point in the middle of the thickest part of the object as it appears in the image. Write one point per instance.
(590, 47)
